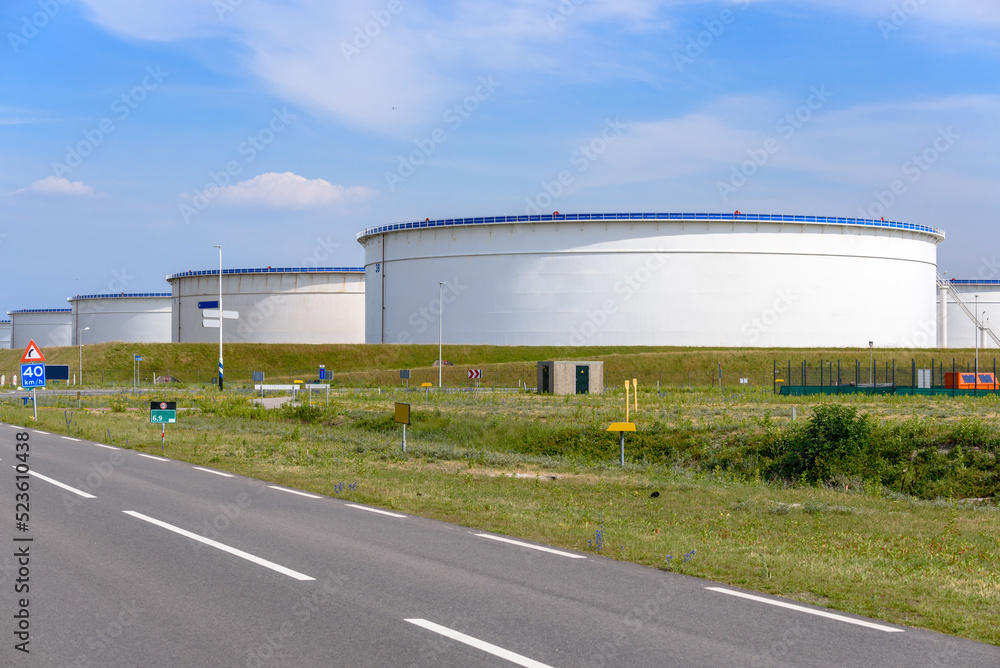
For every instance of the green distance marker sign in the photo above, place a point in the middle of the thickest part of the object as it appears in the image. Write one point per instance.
(163, 412)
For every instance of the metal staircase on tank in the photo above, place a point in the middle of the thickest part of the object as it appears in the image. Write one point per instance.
(946, 284)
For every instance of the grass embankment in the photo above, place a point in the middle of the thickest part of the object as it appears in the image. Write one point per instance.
(504, 366)
(698, 495)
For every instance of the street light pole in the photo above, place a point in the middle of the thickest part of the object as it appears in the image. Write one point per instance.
(440, 328)
(79, 339)
(220, 317)
(977, 338)
(870, 353)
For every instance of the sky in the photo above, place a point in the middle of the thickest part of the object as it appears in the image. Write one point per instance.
(136, 136)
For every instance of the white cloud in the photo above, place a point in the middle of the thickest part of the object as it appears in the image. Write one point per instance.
(291, 191)
(54, 185)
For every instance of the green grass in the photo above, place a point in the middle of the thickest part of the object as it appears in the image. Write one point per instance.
(543, 468)
(378, 365)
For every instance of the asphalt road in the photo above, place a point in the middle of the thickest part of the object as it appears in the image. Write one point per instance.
(144, 561)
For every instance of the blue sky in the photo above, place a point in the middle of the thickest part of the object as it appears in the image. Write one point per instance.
(136, 135)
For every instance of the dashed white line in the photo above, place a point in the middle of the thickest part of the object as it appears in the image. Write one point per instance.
(109, 447)
(373, 510)
(529, 545)
(294, 491)
(220, 546)
(202, 468)
(62, 484)
(39, 431)
(159, 459)
(69, 438)
(810, 611)
(513, 657)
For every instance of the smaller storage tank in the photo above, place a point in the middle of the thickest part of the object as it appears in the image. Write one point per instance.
(957, 326)
(5, 334)
(47, 327)
(275, 305)
(132, 317)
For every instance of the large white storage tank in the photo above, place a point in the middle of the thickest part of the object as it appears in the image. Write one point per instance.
(666, 279)
(132, 317)
(6, 331)
(47, 327)
(275, 305)
(959, 327)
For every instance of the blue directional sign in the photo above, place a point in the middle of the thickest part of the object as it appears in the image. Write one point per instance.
(32, 375)
(214, 304)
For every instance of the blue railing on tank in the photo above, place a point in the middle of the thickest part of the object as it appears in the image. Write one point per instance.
(271, 270)
(750, 217)
(121, 295)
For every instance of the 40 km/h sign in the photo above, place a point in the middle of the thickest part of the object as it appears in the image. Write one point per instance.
(33, 375)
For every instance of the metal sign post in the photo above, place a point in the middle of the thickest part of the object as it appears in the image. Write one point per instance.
(162, 413)
(621, 428)
(403, 417)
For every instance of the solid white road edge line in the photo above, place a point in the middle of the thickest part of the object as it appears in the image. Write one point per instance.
(294, 491)
(373, 510)
(202, 468)
(479, 644)
(159, 459)
(70, 438)
(810, 611)
(225, 548)
(62, 484)
(529, 545)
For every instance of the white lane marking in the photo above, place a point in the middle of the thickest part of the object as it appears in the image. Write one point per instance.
(294, 491)
(810, 611)
(109, 447)
(225, 548)
(202, 468)
(68, 438)
(373, 510)
(479, 644)
(159, 459)
(529, 545)
(14, 426)
(39, 431)
(61, 484)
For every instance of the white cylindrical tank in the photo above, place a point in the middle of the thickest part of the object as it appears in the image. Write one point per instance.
(652, 279)
(960, 326)
(6, 332)
(47, 327)
(132, 317)
(275, 305)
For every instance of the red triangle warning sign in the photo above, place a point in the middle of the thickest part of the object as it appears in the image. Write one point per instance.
(32, 354)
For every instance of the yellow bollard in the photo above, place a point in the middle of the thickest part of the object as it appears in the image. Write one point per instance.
(626, 401)
(635, 394)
